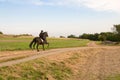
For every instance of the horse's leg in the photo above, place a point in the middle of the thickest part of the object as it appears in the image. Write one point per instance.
(48, 45)
(34, 45)
(37, 47)
(43, 46)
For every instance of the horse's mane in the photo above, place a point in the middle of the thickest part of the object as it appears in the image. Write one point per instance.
(45, 34)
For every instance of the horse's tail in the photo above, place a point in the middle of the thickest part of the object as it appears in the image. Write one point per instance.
(31, 43)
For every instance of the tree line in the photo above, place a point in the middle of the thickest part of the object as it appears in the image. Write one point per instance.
(103, 36)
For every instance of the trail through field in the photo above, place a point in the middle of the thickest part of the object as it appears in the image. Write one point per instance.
(94, 63)
(8, 58)
(28, 55)
(92, 44)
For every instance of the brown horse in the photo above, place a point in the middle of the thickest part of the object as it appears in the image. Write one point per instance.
(39, 41)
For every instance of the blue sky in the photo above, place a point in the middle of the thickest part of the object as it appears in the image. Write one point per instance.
(58, 17)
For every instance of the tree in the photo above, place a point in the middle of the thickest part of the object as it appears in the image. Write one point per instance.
(117, 28)
(102, 37)
(1, 32)
(72, 36)
(84, 36)
(62, 36)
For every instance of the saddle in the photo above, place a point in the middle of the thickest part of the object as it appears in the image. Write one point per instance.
(42, 40)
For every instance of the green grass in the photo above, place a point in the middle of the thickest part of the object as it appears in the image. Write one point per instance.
(10, 44)
(113, 77)
(4, 46)
(63, 43)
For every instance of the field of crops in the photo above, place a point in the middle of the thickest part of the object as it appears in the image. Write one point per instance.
(22, 43)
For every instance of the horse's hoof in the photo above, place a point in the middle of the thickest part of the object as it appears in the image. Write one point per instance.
(37, 50)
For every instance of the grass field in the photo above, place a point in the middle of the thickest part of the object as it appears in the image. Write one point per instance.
(22, 43)
(64, 66)
(39, 69)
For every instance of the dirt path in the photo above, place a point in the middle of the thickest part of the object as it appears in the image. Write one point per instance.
(92, 44)
(29, 55)
(14, 57)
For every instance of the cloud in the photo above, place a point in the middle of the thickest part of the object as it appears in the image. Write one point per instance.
(99, 5)
(51, 2)
(103, 5)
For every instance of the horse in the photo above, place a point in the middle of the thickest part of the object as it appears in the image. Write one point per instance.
(39, 41)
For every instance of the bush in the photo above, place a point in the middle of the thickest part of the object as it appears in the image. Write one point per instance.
(72, 36)
(1, 32)
(104, 36)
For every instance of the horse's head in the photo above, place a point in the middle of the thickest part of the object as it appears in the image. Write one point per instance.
(45, 34)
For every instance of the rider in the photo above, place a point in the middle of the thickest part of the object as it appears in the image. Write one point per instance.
(41, 35)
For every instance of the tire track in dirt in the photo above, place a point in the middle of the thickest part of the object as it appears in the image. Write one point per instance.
(38, 55)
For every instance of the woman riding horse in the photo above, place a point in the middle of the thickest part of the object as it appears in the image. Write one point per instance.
(39, 41)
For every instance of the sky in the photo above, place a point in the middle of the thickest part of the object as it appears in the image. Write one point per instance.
(58, 17)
